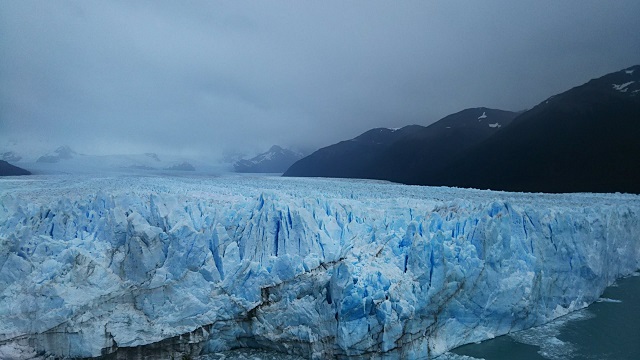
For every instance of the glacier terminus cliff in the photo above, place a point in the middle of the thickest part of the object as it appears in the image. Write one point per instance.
(159, 266)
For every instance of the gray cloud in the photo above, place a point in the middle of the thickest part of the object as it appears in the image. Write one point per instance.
(200, 77)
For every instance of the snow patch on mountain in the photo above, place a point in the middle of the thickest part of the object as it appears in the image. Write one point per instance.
(483, 116)
(622, 87)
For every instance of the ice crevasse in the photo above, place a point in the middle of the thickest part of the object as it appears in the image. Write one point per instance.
(321, 268)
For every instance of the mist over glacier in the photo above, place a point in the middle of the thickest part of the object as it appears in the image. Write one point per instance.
(93, 265)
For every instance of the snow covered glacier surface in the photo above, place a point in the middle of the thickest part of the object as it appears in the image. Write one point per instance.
(314, 267)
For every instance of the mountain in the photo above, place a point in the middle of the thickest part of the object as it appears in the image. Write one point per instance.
(423, 153)
(406, 154)
(7, 169)
(61, 153)
(10, 156)
(349, 159)
(276, 160)
(583, 140)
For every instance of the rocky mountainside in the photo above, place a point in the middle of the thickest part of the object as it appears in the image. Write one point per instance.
(404, 154)
(583, 140)
(7, 169)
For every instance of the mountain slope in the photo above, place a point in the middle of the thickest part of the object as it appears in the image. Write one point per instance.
(7, 169)
(424, 153)
(583, 140)
(10, 156)
(401, 155)
(276, 160)
(353, 158)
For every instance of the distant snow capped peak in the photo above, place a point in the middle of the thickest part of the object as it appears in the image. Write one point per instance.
(273, 152)
(275, 160)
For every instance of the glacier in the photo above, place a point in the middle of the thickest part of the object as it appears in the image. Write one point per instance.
(153, 266)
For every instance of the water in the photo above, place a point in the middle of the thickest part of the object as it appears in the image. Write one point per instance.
(248, 354)
(606, 330)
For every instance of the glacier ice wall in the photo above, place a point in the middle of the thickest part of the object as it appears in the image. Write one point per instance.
(315, 267)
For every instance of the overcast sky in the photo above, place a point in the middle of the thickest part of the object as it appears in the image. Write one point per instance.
(205, 76)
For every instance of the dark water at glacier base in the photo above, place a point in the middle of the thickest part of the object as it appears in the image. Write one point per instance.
(607, 330)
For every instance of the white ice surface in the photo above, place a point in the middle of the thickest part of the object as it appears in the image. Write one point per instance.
(316, 267)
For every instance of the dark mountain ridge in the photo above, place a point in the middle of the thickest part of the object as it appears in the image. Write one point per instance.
(424, 153)
(7, 169)
(399, 154)
(355, 158)
(583, 140)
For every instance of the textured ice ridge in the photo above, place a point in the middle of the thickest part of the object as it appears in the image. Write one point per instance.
(314, 267)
